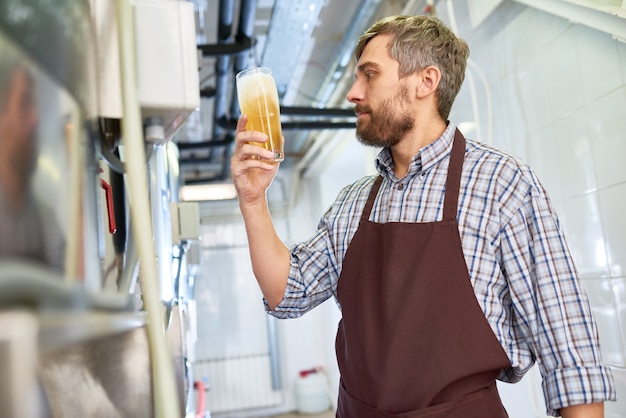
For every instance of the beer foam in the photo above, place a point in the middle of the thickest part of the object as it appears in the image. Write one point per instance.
(253, 84)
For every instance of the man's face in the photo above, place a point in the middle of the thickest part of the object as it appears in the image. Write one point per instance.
(19, 121)
(382, 100)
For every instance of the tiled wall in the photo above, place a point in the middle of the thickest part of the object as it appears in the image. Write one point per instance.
(559, 101)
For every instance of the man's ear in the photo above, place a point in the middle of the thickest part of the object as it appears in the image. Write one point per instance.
(428, 82)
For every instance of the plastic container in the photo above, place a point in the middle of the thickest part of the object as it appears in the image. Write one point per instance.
(312, 395)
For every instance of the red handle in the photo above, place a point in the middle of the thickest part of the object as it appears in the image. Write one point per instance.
(110, 211)
(199, 386)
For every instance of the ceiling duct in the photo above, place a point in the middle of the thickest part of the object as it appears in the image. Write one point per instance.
(291, 27)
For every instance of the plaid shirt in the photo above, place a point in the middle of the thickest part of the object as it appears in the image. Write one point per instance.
(518, 261)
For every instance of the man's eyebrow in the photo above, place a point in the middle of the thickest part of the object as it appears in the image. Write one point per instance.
(367, 65)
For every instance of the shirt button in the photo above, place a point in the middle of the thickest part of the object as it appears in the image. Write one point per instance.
(401, 186)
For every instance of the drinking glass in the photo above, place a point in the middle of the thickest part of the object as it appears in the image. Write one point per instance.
(258, 98)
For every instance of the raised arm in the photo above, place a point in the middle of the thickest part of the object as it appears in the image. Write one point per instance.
(252, 175)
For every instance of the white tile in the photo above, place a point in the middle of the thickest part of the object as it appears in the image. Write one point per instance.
(599, 62)
(533, 88)
(612, 209)
(509, 127)
(601, 298)
(512, 33)
(621, 52)
(542, 148)
(574, 154)
(525, 36)
(585, 235)
(529, 33)
(552, 26)
(561, 69)
(619, 290)
(607, 125)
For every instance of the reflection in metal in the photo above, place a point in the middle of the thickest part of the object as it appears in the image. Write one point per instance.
(107, 377)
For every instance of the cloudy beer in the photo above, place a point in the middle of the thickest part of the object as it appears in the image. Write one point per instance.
(258, 98)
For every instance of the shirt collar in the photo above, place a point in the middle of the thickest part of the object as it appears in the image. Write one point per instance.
(423, 160)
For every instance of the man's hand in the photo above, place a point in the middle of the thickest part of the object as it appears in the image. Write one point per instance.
(251, 166)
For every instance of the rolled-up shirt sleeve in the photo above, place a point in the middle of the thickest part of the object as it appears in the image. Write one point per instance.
(551, 308)
(316, 263)
(311, 279)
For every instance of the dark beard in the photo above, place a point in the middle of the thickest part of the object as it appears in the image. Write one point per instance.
(387, 126)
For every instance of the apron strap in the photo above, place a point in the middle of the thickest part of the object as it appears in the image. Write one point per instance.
(453, 181)
(370, 199)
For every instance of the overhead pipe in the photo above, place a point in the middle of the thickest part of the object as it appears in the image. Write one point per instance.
(225, 49)
(316, 111)
(288, 125)
(183, 146)
(222, 64)
(298, 125)
(312, 125)
(245, 31)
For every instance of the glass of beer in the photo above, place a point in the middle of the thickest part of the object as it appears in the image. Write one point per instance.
(258, 98)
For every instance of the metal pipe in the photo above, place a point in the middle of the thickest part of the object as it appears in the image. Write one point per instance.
(312, 125)
(316, 111)
(222, 49)
(184, 146)
(222, 64)
(300, 125)
(272, 339)
(247, 15)
(164, 389)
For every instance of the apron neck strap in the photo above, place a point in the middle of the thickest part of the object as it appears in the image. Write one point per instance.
(370, 199)
(453, 181)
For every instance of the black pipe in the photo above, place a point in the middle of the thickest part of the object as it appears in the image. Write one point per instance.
(116, 180)
(207, 92)
(298, 125)
(227, 140)
(245, 30)
(222, 64)
(311, 125)
(194, 160)
(315, 111)
(205, 180)
(222, 49)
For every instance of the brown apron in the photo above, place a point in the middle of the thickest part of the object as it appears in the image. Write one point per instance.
(413, 341)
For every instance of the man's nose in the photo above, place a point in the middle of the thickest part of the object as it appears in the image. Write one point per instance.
(355, 94)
